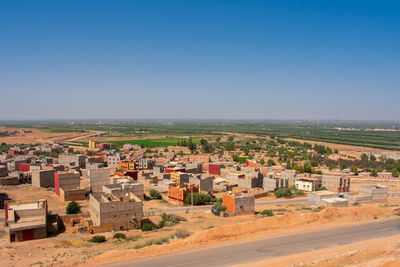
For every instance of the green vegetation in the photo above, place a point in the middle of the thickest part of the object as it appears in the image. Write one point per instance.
(299, 193)
(98, 239)
(73, 208)
(155, 194)
(267, 213)
(283, 192)
(218, 206)
(198, 199)
(120, 236)
(151, 142)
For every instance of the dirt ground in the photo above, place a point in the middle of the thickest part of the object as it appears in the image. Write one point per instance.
(289, 219)
(377, 252)
(349, 150)
(38, 136)
(70, 248)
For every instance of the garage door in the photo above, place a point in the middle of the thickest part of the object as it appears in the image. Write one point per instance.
(28, 234)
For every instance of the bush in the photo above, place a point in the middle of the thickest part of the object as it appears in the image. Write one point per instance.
(98, 239)
(155, 194)
(267, 213)
(148, 227)
(181, 233)
(322, 188)
(73, 208)
(283, 192)
(219, 207)
(198, 199)
(120, 236)
(299, 193)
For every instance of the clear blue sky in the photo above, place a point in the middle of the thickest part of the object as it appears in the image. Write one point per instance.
(200, 59)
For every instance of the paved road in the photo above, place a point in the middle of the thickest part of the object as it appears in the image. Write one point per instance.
(208, 207)
(227, 254)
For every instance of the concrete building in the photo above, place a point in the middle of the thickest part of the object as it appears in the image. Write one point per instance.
(113, 160)
(315, 198)
(239, 204)
(145, 164)
(3, 171)
(122, 189)
(67, 186)
(335, 202)
(205, 183)
(336, 184)
(179, 177)
(378, 193)
(98, 178)
(43, 178)
(72, 160)
(119, 213)
(26, 220)
(273, 184)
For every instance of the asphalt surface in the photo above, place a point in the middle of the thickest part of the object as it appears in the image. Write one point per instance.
(226, 254)
(208, 207)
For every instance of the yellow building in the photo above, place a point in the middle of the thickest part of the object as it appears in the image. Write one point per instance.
(92, 144)
(179, 177)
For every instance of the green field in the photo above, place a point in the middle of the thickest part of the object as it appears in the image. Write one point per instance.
(150, 142)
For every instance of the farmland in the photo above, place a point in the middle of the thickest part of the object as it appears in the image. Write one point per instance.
(150, 142)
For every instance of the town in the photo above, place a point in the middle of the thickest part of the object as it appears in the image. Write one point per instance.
(99, 191)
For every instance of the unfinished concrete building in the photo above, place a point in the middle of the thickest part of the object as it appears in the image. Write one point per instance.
(26, 219)
(315, 198)
(43, 178)
(117, 213)
(123, 189)
(98, 178)
(179, 177)
(67, 186)
(274, 183)
(3, 171)
(378, 193)
(290, 175)
(205, 183)
(239, 204)
(336, 184)
(72, 160)
(145, 164)
(369, 193)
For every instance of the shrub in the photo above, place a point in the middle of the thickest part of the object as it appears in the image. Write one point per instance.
(356, 204)
(155, 194)
(267, 213)
(198, 198)
(181, 233)
(322, 188)
(147, 227)
(73, 208)
(299, 193)
(98, 239)
(219, 207)
(120, 236)
(283, 192)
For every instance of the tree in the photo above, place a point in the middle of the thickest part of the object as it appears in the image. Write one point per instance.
(364, 157)
(262, 161)
(372, 157)
(73, 208)
(230, 138)
(374, 173)
(283, 192)
(155, 194)
(271, 162)
(354, 170)
(395, 173)
(198, 198)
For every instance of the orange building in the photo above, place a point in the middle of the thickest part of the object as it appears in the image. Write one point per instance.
(177, 192)
(126, 166)
(239, 204)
